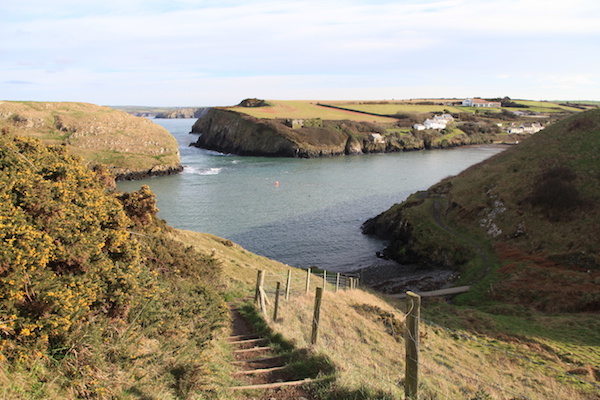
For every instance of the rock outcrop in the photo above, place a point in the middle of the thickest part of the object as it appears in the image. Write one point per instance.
(183, 113)
(129, 146)
(231, 132)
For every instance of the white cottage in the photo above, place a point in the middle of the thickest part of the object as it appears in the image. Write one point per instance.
(477, 102)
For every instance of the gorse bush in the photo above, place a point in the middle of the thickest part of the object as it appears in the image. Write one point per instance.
(86, 276)
(65, 249)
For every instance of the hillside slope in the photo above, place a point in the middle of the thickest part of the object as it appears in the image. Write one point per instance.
(131, 147)
(96, 299)
(101, 300)
(536, 205)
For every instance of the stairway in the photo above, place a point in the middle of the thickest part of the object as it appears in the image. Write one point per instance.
(260, 372)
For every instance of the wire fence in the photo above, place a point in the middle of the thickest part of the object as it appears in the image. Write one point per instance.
(451, 364)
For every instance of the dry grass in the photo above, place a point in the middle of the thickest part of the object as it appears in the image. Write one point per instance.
(306, 109)
(369, 356)
(97, 134)
(369, 359)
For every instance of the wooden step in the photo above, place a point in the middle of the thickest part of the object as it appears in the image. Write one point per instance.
(260, 371)
(243, 337)
(251, 349)
(256, 360)
(250, 341)
(273, 385)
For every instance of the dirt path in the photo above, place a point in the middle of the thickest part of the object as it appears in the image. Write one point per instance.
(258, 364)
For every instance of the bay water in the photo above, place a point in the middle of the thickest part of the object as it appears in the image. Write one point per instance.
(302, 212)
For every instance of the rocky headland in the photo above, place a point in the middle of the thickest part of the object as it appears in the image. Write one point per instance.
(233, 132)
(183, 113)
(130, 147)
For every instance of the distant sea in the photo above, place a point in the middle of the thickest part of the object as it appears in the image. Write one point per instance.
(302, 212)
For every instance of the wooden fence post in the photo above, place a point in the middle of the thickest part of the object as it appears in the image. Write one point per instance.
(411, 338)
(337, 282)
(276, 308)
(324, 279)
(262, 300)
(307, 280)
(288, 284)
(260, 279)
(316, 315)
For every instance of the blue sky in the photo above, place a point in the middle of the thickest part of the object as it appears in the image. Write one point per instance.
(205, 53)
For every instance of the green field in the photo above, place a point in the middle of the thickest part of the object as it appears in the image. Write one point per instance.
(305, 109)
(311, 109)
(545, 107)
(401, 108)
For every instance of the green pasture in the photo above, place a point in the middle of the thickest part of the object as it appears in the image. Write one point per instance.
(310, 109)
(305, 109)
(401, 108)
(544, 106)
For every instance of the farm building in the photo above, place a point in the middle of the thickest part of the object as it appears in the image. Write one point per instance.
(477, 102)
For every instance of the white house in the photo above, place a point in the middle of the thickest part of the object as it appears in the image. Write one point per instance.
(515, 130)
(419, 127)
(477, 102)
(444, 117)
(435, 123)
(377, 138)
(531, 127)
(528, 127)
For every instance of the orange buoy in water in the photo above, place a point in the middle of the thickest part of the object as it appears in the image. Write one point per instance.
(276, 183)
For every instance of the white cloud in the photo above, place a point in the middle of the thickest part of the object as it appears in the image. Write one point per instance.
(330, 46)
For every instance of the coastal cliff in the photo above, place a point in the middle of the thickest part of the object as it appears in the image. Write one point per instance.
(183, 113)
(130, 147)
(233, 132)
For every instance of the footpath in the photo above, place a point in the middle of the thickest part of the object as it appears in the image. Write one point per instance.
(262, 374)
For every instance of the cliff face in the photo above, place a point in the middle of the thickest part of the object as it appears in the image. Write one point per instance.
(183, 113)
(131, 147)
(233, 132)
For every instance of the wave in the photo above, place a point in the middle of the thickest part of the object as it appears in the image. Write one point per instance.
(201, 171)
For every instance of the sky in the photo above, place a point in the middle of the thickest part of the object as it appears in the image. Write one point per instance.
(218, 52)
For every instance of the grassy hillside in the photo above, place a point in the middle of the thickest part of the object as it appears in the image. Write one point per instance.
(96, 300)
(100, 300)
(527, 218)
(100, 135)
(466, 352)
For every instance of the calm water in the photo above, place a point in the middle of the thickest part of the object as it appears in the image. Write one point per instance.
(302, 212)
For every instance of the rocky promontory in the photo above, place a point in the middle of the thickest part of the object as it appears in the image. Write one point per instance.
(130, 147)
(183, 113)
(229, 131)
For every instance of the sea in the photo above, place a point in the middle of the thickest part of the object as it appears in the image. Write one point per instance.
(301, 212)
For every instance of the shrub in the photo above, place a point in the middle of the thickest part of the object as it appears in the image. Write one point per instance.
(65, 250)
(87, 305)
(555, 193)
